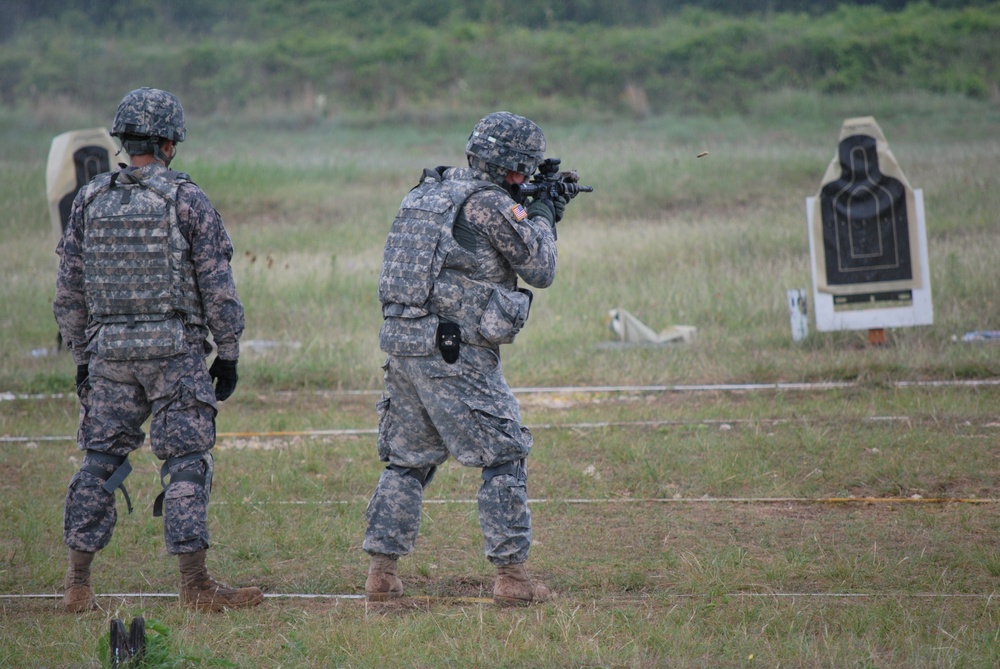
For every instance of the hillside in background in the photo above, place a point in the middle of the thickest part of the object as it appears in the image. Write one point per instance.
(636, 57)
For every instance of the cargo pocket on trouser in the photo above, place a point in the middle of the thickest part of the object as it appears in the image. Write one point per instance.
(89, 517)
(505, 519)
(503, 445)
(498, 439)
(185, 517)
(185, 424)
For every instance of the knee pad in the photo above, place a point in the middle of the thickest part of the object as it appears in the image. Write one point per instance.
(423, 476)
(516, 468)
(92, 462)
(197, 468)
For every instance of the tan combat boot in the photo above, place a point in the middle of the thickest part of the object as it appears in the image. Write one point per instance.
(513, 587)
(382, 583)
(202, 592)
(79, 595)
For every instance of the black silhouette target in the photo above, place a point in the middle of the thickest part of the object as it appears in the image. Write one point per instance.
(89, 161)
(865, 221)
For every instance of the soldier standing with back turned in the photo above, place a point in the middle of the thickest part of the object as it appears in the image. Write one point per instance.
(450, 297)
(144, 277)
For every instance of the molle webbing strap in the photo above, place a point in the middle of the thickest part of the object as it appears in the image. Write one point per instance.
(112, 481)
(183, 475)
(137, 261)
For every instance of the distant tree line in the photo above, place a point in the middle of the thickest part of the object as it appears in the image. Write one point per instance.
(629, 56)
(254, 16)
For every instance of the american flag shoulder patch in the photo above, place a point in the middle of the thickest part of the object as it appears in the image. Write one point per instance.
(520, 213)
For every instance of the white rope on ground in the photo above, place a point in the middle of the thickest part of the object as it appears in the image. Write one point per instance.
(679, 388)
(653, 500)
(989, 597)
(352, 432)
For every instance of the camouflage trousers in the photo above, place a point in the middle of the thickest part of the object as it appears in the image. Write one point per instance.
(431, 410)
(117, 399)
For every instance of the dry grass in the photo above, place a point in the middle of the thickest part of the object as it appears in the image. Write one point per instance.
(654, 571)
(651, 573)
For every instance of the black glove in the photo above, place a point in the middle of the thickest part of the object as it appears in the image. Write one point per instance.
(225, 372)
(559, 207)
(544, 209)
(82, 375)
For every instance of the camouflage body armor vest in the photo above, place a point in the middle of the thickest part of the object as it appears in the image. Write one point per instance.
(138, 277)
(426, 275)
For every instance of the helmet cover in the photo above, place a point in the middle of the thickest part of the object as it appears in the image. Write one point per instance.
(150, 112)
(508, 141)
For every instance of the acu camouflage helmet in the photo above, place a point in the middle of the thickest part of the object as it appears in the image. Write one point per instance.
(506, 141)
(150, 112)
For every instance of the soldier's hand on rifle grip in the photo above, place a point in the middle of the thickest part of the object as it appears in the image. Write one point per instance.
(559, 207)
(544, 208)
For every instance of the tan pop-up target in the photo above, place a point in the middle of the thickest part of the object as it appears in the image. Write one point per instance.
(867, 238)
(75, 157)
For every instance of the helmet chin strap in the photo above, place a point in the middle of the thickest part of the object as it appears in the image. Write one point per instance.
(161, 156)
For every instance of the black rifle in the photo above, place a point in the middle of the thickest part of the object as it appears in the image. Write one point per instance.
(549, 183)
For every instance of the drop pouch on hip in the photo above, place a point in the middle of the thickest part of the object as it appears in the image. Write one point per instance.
(505, 315)
(142, 340)
(449, 341)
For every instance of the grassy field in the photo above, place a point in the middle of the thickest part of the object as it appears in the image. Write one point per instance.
(783, 526)
(646, 528)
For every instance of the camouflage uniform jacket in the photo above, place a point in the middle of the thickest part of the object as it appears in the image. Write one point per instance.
(488, 243)
(211, 251)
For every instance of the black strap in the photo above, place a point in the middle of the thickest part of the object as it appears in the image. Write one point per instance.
(515, 468)
(176, 477)
(423, 476)
(115, 479)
